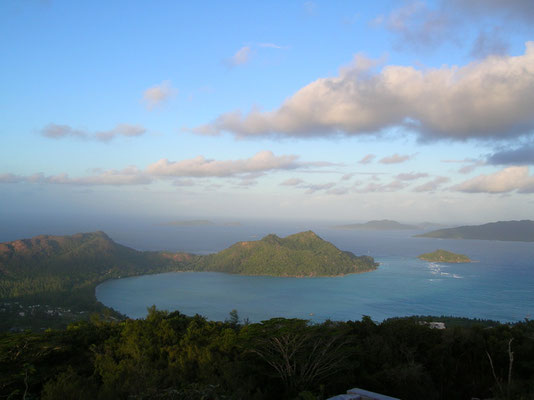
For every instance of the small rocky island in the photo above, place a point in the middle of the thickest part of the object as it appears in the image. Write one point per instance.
(445, 257)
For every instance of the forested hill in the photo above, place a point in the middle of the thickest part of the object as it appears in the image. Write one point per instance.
(302, 254)
(518, 231)
(46, 264)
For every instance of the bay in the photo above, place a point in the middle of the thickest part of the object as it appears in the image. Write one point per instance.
(499, 285)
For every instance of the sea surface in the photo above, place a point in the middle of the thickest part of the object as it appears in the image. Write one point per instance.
(498, 286)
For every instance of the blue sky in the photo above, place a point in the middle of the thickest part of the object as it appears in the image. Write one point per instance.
(344, 110)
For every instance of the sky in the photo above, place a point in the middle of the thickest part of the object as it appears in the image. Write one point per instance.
(325, 110)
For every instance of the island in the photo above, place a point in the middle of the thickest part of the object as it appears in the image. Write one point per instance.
(381, 225)
(301, 255)
(513, 231)
(50, 281)
(444, 256)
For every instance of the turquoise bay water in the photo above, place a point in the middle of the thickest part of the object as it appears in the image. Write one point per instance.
(500, 285)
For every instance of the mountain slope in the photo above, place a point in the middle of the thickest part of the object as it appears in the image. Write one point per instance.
(519, 231)
(302, 254)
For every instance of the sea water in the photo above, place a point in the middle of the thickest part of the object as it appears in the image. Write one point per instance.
(499, 285)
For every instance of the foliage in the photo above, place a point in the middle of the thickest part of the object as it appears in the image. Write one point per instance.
(444, 256)
(302, 254)
(173, 356)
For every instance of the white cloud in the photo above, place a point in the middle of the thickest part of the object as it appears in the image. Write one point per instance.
(432, 185)
(202, 167)
(504, 181)
(127, 176)
(367, 159)
(411, 176)
(392, 186)
(55, 131)
(396, 159)
(489, 99)
(242, 56)
(292, 182)
(158, 94)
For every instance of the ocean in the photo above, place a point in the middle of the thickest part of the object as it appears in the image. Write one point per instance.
(499, 285)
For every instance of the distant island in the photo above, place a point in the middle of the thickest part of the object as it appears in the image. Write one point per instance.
(299, 255)
(444, 256)
(514, 231)
(50, 281)
(378, 225)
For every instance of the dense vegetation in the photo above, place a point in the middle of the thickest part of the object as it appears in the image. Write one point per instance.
(172, 356)
(381, 225)
(444, 256)
(519, 231)
(302, 254)
(48, 281)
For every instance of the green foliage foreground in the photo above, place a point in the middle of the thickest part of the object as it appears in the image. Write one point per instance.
(173, 356)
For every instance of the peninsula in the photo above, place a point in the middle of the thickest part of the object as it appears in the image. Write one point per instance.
(444, 256)
(512, 231)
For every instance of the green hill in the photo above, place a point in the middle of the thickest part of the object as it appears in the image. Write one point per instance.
(514, 231)
(444, 256)
(302, 254)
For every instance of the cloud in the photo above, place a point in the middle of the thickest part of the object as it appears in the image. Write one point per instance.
(312, 188)
(487, 99)
(242, 56)
(379, 187)
(489, 43)
(421, 27)
(467, 169)
(520, 156)
(432, 185)
(55, 131)
(271, 46)
(127, 176)
(396, 159)
(411, 176)
(292, 182)
(157, 95)
(202, 167)
(11, 178)
(367, 159)
(504, 181)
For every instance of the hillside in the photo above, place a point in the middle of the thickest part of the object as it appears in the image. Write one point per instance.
(302, 254)
(382, 225)
(518, 231)
(444, 256)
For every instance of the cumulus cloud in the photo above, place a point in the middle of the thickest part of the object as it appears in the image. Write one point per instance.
(507, 180)
(367, 159)
(158, 94)
(411, 176)
(489, 43)
(11, 178)
(55, 131)
(396, 159)
(520, 156)
(432, 185)
(488, 99)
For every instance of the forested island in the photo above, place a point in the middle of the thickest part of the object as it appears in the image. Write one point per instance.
(444, 256)
(49, 281)
(301, 255)
(515, 231)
